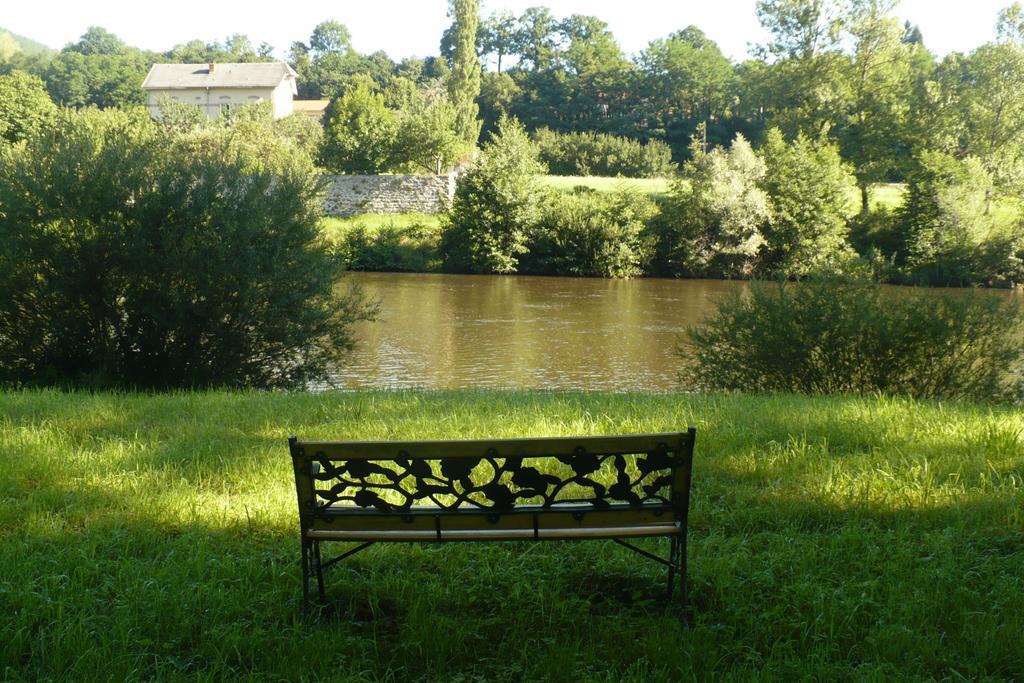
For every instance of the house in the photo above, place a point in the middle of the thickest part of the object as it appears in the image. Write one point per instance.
(215, 88)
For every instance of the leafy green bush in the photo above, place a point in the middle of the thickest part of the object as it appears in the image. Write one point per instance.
(810, 189)
(135, 257)
(497, 204)
(849, 335)
(950, 231)
(601, 154)
(389, 248)
(712, 222)
(598, 234)
(360, 132)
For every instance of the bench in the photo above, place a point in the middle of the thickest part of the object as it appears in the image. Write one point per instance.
(597, 487)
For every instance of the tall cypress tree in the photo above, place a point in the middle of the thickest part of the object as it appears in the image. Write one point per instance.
(464, 82)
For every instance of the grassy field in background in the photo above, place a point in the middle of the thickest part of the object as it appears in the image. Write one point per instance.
(155, 537)
(651, 186)
(373, 222)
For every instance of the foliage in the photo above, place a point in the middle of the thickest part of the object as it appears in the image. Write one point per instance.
(592, 234)
(136, 257)
(427, 139)
(600, 154)
(98, 70)
(950, 236)
(715, 214)
(360, 132)
(809, 187)
(395, 245)
(847, 335)
(496, 205)
(25, 108)
(464, 81)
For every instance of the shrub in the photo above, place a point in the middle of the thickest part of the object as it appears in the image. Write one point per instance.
(849, 335)
(951, 234)
(360, 132)
(389, 248)
(810, 189)
(598, 234)
(713, 219)
(25, 106)
(496, 206)
(133, 257)
(601, 154)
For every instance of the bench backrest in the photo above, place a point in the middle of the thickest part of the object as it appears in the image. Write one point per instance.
(372, 484)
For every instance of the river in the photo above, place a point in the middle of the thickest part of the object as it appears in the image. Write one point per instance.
(468, 331)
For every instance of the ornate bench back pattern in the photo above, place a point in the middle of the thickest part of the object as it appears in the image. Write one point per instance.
(495, 476)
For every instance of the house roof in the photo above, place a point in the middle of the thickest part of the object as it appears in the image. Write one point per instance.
(188, 76)
(314, 108)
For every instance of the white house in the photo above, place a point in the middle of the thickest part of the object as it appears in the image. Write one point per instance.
(215, 88)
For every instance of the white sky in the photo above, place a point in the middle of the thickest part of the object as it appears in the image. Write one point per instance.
(413, 27)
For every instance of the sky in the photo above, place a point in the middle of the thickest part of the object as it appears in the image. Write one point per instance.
(405, 28)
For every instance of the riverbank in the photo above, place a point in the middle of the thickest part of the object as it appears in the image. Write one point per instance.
(154, 536)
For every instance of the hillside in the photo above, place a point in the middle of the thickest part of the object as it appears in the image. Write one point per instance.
(26, 45)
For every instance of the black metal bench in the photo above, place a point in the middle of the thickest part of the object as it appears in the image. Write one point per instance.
(599, 487)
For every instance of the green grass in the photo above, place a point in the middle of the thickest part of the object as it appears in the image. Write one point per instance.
(649, 186)
(375, 221)
(155, 537)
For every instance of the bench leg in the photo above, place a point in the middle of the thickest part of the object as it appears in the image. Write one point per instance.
(319, 568)
(677, 564)
(673, 562)
(305, 576)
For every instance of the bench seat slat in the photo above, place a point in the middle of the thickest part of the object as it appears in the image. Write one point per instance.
(644, 530)
(590, 518)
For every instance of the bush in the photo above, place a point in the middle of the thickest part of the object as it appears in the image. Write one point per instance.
(600, 154)
(134, 257)
(713, 219)
(810, 189)
(360, 132)
(496, 206)
(597, 234)
(951, 234)
(849, 335)
(389, 248)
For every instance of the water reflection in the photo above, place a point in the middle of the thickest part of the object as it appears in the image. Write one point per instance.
(460, 331)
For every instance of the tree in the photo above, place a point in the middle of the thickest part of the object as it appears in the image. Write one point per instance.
(25, 108)
(687, 81)
(499, 36)
(137, 258)
(874, 134)
(98, 70)
(360, 132)
(808, 87)
(716, 212)
(497, 203)
(810, 188)
(8, 47)
(330, 36)
(537, 39)
(426, 137)
(951, 238)
(97, 41)
(464, 81)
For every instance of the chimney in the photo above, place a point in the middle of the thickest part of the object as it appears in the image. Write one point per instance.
(211, 65)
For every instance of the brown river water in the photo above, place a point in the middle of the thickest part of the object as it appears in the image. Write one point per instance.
(469, 331)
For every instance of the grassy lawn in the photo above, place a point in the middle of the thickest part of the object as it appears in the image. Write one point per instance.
(373, 222)
(650, 186)
(155, 537)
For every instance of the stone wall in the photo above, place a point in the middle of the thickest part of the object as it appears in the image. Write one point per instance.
(348, 195)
